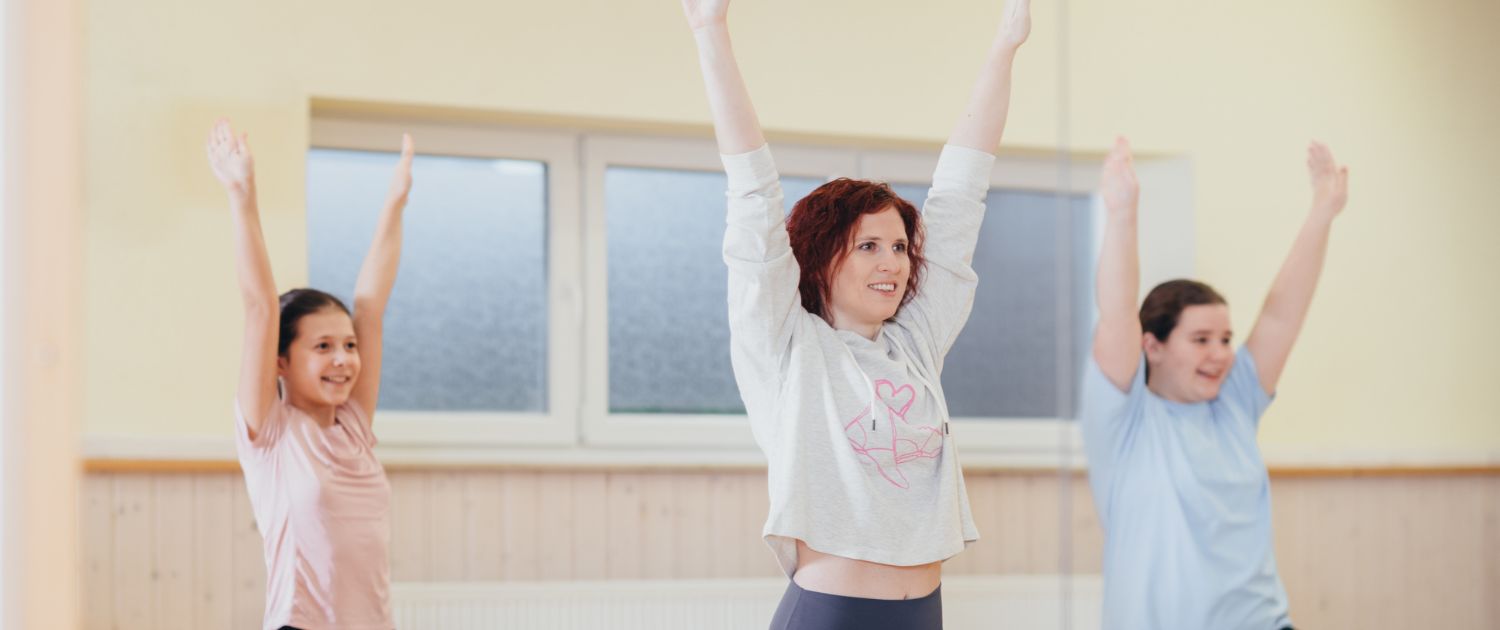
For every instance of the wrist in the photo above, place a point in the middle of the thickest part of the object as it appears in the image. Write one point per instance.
(1121, 216)
(1322, 215)
(1005, 47)
(241, 192)
(710, 29)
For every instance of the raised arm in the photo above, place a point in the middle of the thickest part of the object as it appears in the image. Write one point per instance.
(377, 276)
(1117, 340)
(983, 121)
(1291, 294)
(229, 158)
(735, 125)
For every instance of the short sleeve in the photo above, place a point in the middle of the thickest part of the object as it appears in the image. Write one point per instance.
(358, 422)
(270, 431)
(1104, 413)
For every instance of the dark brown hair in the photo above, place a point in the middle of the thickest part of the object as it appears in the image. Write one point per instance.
(295, 305)
(1164, 304)
(821, 229)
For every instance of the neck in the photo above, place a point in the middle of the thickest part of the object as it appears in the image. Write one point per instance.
(868, 330)
(1166, 392)
(321, 413)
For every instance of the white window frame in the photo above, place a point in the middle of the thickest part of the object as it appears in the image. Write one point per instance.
(600, 427)
(558, 150)
(1000, 435)
(578, 426)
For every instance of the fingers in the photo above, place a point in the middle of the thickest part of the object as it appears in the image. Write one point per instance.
(224, 132)
(1119, 155)
(1320, 158)
(243, 145)
(408, 148)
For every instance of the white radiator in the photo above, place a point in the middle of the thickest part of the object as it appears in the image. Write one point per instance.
(969, 603)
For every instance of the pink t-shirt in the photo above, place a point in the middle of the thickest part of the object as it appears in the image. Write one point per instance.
(322, 503)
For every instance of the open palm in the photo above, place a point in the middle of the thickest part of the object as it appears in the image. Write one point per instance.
(229, 157)
(1330, 181)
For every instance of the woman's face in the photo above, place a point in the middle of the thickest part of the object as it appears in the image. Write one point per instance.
(868, 284)
(322, 363)
(1192, 363)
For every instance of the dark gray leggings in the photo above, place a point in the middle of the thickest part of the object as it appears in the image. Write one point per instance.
(802, 609)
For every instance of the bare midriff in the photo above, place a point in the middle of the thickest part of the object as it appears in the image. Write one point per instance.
(837, 575)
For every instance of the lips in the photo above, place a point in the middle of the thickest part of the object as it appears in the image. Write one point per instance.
(338, 380)
(883, 287)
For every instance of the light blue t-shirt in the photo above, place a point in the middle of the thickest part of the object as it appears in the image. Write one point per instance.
(1185, 502)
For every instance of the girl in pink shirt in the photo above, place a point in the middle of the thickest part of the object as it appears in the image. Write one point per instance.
(309, 381)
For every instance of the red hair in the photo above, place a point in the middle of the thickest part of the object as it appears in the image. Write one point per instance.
(821, 229)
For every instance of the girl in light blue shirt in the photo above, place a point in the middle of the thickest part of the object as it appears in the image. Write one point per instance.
(1169, 418)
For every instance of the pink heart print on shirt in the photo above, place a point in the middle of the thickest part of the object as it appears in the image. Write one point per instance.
(891, 443)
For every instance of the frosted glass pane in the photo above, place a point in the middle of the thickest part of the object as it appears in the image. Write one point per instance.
(668, 322)
(466, 328)
(1020, 354)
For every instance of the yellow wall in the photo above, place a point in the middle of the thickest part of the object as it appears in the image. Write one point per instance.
(1398, 353)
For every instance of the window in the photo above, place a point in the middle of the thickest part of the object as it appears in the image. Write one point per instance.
(668, 333)
(466, 326)
(566, 289)
(481, 340)
(1034, 259)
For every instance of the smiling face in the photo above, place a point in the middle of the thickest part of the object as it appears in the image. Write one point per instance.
(1192, 363)
(321, 364)
(868, 284)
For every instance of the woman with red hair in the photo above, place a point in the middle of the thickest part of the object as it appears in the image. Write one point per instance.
(839, 318)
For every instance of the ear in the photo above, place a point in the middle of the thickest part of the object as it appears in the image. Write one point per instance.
(1152, 346)
(281, 366)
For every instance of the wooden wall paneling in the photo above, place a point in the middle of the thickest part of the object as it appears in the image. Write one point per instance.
(249, 559)
(173, 531)
(554, 517)
(518, 525)
(759, 561)
(446, 561)
(1489, 553)
(96, 529)
(410, 518)
(626, 520)
(694, 543)
(213, 552)
(483, 541)
(590, 527)
(180, 548)
(1087, 534)
(659, 525)
(725, 515)
(134, 557)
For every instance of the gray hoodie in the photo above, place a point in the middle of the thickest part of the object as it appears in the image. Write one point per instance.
(861, 460)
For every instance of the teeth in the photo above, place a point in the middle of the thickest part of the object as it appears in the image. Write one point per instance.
(884, 286)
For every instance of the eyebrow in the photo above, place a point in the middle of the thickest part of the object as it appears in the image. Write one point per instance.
(877, 238)
(1204, 331)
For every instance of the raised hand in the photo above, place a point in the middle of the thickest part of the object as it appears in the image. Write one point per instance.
(1117, 183)
(401, 179)
(702, 13)
(229, 158)
(1330, 181)
(1015, 26)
